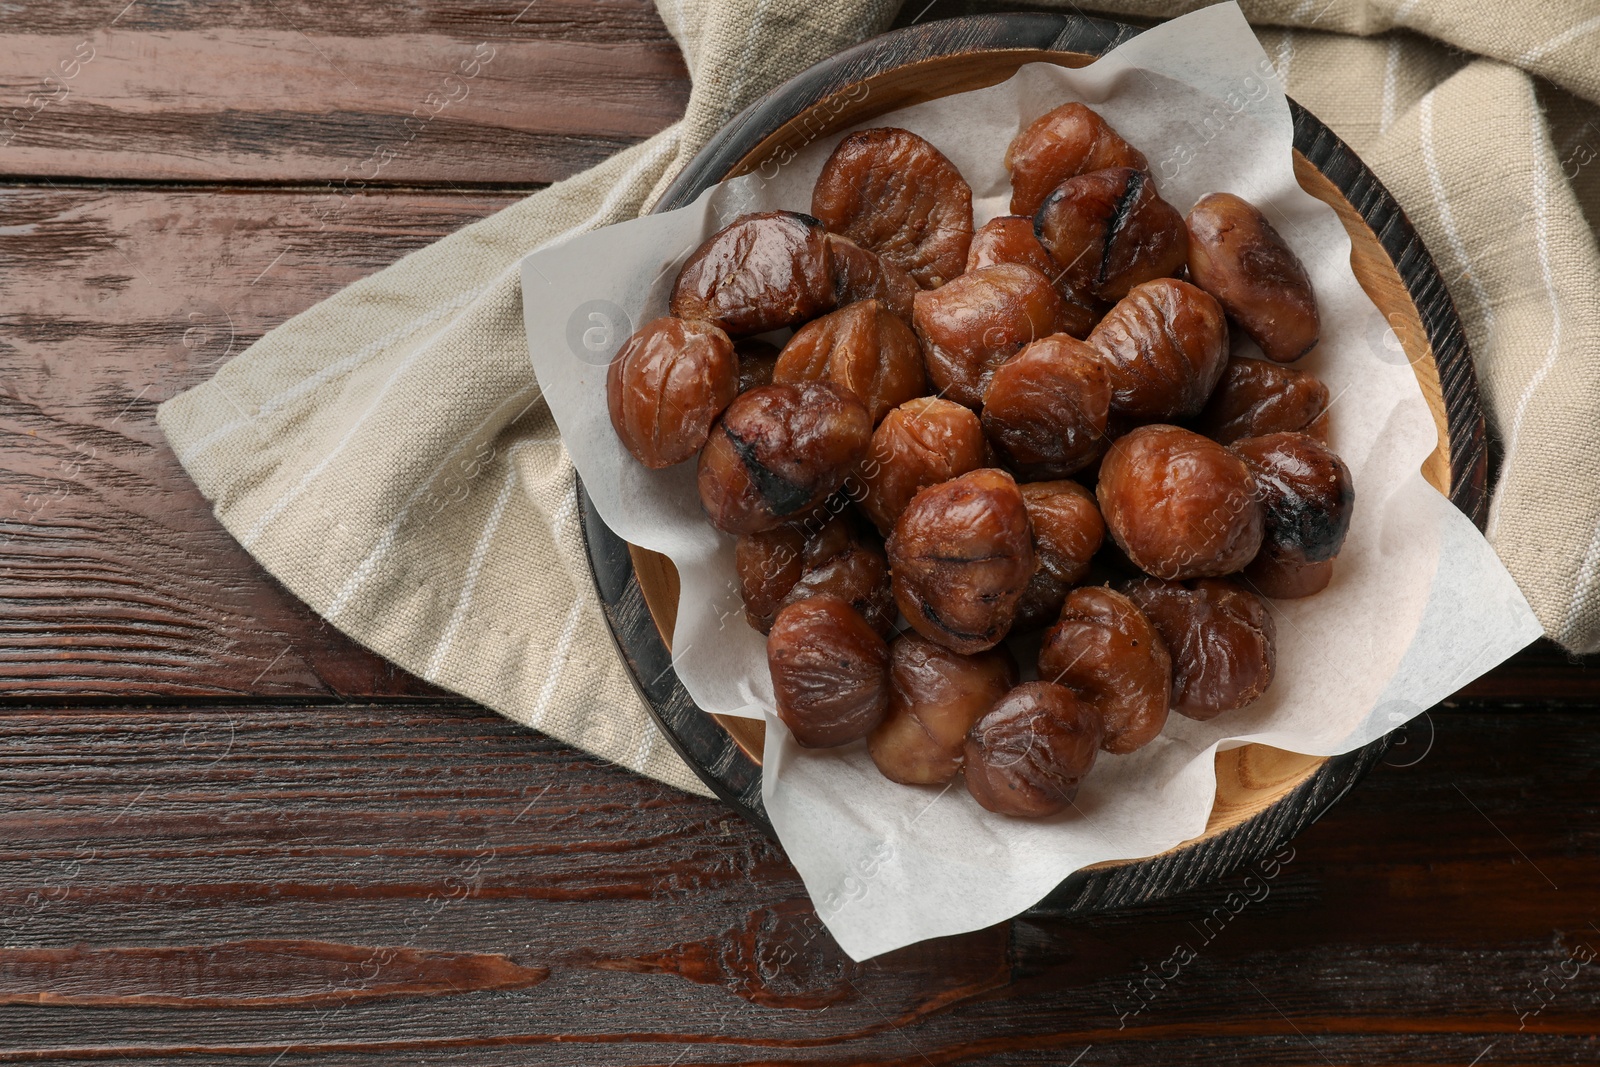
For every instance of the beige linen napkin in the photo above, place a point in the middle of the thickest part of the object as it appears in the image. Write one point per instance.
(387, 457)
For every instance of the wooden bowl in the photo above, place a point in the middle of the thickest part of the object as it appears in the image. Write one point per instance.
(1264, 795)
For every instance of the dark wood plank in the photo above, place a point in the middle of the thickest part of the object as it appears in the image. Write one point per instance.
(114, 577)
(410, 874)
(349, 94)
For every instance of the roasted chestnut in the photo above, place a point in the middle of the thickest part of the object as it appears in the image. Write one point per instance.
(1165, 345)
(1028, 754)
(1237, 257)
(976, 322)
(768, 564)
(1108, 231)
(1045, 408)
(1067, 528)
(859, 274)
(667, 385)
(845, 561)
(830, 672)
(1107, 652)
(864, 349)
(920, 443)
(1180, 505)
(1067, 532)
(935, 695)
(1220, 638)
(959, 558)
(759, 273)
(892, 192)
(1306, 494)
(777, 451)
(1010, 239)
(756, 362)
(1255, 398)
(1062, 144)
(1281, 578)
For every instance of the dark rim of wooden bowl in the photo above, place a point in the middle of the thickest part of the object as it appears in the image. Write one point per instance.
(711, 752)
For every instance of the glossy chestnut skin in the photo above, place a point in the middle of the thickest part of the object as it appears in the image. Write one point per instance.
(756, 362)
(830, 672)
(920, 443)
(1221, 638)
(667, 385)
(759, 273)
(844, 560)
(1279, 578)
(1108, 231)
(960, 557)
(1255, 398)
(768, 564)
(1165, 345)
(892, 192)
(1179, 505)
(1062, 144)
(1111, 655)
(1028, 754)
(1237, 256)
(860, 274)
(1010, 239)
(863, 348)
(1045, 408)
(778, 567)
(935, 695)
(973, 324)
(1067, 532)
(777, 452)
(1306, 494)
(1067, 527)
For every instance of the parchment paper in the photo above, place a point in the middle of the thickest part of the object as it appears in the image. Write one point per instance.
(1418, 607)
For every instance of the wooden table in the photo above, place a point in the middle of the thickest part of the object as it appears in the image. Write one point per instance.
(229, 835)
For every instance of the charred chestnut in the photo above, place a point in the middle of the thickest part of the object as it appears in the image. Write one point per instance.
(1028, 754)
(892, 192)
(959, 558)
(1010, 239)
(862, 348)
(1237, 257)
(920, 443)
(1110, 654)
(830, 672)
(1220, 637)
(1062, 144)
(1165, 345)
(1045, 408)
(1108, 231)
(777, 451)
(759, 273)
(667, 385)
(1305, 492)
(973, 324)
(1180, 505)
(1255, 398)
(935, 695)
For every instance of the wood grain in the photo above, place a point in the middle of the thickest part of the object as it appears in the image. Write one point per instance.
(190, 848)
(114, 578)
(294, 93)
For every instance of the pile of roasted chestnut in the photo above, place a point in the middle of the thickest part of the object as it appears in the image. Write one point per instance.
(907, 452)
